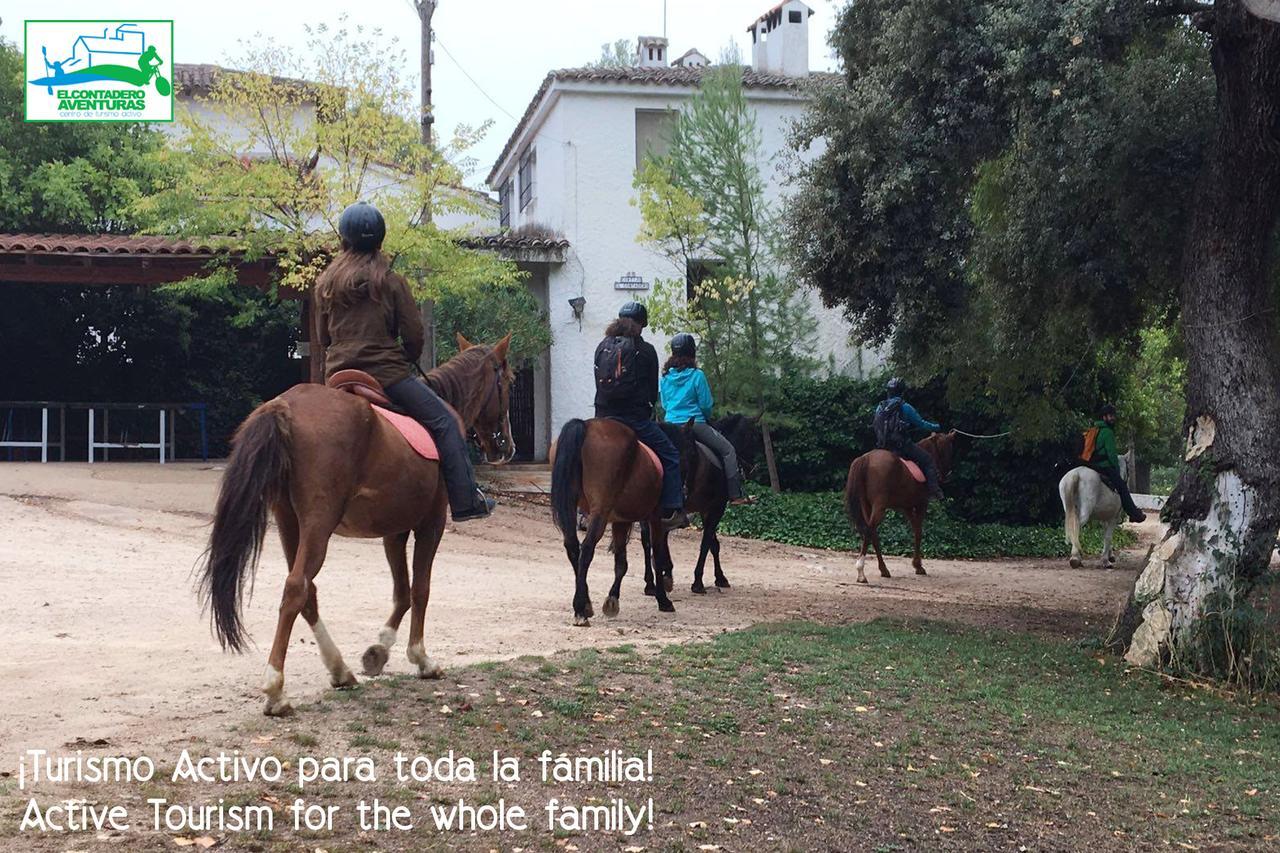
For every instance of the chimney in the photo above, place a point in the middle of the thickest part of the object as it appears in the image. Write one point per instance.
(691, 58)
(651, 52)
(780, 40)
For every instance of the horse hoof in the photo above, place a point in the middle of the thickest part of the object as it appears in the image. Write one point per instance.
(650, 590)
(668, 584)
(863, 580)
(722, 583)
(884, 573)
(920, 570)
(698, 588)
(1075, 563)
(611, 606)
(666, 607)
(344, 680)
(430, 671)
(281, 707)
(374, 659)
(581, 622)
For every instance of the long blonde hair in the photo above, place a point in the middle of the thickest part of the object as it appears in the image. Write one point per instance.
(353, 276)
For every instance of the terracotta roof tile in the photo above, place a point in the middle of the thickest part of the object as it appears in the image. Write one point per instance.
(651, 76)
(101, 244)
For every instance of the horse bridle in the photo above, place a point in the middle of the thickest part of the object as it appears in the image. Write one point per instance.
(493, 392)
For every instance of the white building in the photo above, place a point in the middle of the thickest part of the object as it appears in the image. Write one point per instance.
(565, 187)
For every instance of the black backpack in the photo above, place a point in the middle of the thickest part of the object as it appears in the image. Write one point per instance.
(890, 425)
(616, 374)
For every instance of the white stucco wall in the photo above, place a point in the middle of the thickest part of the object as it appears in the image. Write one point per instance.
(585, 165)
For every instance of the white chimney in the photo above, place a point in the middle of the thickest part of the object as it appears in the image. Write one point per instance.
(780, 40)
(651, 52)
(693, 58)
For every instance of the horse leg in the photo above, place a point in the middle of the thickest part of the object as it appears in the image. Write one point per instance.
(711, 533)
(582, 609)
(339, 674)
(621, 533)
(862, 560)
(646, 545)
(376, 656)
(704, 548)
(426, 539)
(1108, 558)
(877, 516)
(662, 559)
(916, 517)
(312, 544)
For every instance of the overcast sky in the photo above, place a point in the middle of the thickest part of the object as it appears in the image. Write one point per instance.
(507, 46)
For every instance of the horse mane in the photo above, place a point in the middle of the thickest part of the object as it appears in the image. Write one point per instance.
(454, 381)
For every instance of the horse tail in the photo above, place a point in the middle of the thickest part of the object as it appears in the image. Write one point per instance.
(566, 475)
(1069, 491)
(855, 492)
(256, 475)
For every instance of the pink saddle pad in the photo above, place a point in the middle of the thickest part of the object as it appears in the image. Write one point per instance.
(653, 458)
(914, 469)
(414, 433)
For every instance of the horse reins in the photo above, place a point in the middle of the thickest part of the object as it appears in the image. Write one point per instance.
(971, 435)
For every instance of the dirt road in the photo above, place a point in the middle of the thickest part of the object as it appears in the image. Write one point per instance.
(104, 637)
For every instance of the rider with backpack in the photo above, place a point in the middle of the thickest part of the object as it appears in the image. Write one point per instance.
(1100, 455)
(893, 420)
(686, 396)
(627, 388)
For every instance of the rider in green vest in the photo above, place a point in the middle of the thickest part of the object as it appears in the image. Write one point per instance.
(1106, 461)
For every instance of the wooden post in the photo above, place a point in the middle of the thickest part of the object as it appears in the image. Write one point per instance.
(769, 460)
(428, 358)
(310, 321)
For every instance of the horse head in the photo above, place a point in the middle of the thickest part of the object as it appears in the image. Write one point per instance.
(941, 446)
(477, 382)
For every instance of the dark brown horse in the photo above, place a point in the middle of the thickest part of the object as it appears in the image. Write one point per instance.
(878, 482)
(323, 462)
(599, 466)
(705, 492)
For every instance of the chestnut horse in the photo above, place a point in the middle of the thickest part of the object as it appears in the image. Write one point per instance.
(878, 482)
(323, 462)
(599, 466)
(705, 492)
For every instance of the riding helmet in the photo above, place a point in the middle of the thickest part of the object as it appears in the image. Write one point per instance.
(684, 344)
(362, 227)
(635, 311)
(895, 387)
(1107, 409)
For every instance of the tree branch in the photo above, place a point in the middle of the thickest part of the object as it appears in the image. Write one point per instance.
(1181, 7)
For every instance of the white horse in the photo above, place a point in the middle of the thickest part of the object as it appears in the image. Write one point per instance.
(1085, 497)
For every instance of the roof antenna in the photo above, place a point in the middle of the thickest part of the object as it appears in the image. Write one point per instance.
(664, 18)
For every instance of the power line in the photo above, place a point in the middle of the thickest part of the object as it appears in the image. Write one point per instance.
(479, 88)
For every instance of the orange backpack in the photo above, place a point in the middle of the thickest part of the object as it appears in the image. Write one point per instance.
(1090, 442)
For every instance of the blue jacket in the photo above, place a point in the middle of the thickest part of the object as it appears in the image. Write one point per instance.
(685, 395)
(911, 416)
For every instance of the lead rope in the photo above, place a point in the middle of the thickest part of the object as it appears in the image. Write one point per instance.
(971, 435)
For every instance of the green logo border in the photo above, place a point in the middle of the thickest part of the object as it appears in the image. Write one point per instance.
(26, 92)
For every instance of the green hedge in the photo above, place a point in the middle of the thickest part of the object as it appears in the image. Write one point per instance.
(817, 520)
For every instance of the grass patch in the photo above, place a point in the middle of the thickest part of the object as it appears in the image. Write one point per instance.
(817, 520)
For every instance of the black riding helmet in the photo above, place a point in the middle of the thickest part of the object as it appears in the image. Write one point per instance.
(635, 311)
(1107, 409)
(362, 227)
(684, 344)
(895, 387)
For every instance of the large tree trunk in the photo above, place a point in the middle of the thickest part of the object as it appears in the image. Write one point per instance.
(1225, 510)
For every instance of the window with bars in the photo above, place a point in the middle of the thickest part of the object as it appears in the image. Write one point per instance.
(527, 167)
(504, 203)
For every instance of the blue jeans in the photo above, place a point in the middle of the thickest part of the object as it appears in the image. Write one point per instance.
(651, 434)
(415, 397)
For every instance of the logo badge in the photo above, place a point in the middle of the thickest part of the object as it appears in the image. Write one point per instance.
(99, 70)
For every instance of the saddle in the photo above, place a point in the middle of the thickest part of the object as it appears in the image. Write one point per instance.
(367, 388)
(913, 469)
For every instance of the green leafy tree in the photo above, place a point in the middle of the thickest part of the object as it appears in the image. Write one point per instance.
(616, 54)
(1009, 189)
(704, 207)
(249, 172)
(488, 313)
(68, 177)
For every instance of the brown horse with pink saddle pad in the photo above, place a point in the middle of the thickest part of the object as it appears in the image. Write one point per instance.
(602, 468)
(880, 481)
(326, 461)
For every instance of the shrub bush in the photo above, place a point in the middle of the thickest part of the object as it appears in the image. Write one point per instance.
(817, 520)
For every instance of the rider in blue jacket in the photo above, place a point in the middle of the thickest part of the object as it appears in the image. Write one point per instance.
(686, 396)
(893, 415)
